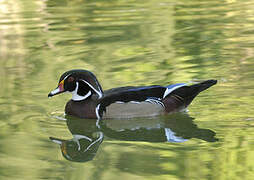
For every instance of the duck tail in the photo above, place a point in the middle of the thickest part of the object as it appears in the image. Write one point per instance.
(183, 96)
(204, 85)
(188, 93)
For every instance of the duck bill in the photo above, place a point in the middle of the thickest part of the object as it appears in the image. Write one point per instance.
(57, 140)
(58, 90)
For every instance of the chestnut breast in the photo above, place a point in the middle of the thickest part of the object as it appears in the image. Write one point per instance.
(81, 109)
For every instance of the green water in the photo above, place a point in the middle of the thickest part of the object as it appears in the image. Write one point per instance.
(128, 43)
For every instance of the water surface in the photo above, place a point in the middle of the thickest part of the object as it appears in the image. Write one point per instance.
(128, 43)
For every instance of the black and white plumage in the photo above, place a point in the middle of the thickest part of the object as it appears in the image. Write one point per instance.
(89, 100)
(128, 102)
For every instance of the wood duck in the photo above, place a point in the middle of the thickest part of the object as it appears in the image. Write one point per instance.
(87, 136)
(89, 101)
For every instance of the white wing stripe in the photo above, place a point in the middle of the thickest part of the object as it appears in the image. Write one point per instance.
(168, 91)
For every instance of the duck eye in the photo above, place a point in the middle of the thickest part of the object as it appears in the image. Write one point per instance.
(71, 79)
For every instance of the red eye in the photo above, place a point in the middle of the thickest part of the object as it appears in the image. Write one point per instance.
(70, 79)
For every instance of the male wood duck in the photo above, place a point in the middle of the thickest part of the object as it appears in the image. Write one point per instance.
(89, 100)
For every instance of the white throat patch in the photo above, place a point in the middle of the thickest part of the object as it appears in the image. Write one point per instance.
(98, 92)
(76, 97)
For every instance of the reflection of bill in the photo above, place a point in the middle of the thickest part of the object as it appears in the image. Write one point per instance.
(87, 136)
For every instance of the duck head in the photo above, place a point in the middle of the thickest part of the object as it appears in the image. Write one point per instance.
(80, 83)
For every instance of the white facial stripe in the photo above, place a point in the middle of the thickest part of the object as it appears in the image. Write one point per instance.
(98, 92)
(66, 77)
(77, 97)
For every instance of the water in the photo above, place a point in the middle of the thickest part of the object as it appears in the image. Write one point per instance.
(127, 43)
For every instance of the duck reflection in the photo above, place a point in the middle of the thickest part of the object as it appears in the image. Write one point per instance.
(87, 135)
(86, 140)
(177, 127)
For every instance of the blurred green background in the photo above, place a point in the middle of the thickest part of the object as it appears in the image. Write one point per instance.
(127, 43)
